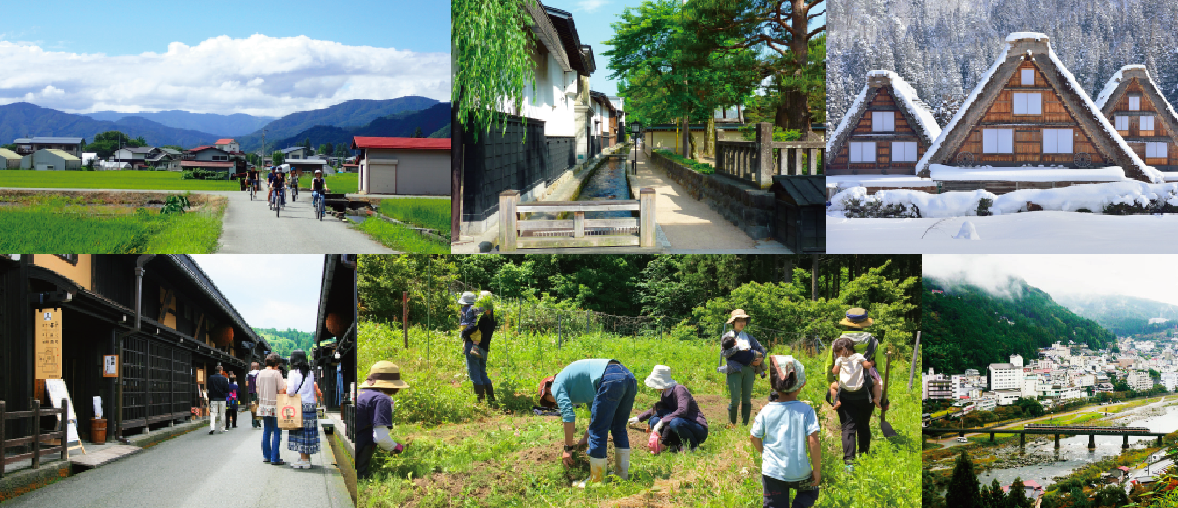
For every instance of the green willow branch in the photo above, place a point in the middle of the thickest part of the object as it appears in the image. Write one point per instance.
(493, 47)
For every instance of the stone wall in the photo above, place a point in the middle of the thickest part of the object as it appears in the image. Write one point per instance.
(749, 208)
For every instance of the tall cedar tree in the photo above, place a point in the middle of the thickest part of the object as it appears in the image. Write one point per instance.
(1017, 498)
(963, 490)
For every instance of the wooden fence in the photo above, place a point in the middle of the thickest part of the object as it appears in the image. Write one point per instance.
(348, 413)
(757, 161)
(36, 439)
(578, 232)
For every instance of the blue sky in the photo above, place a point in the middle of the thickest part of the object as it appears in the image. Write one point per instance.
(593, 19)
(268, 298)
(255, 57)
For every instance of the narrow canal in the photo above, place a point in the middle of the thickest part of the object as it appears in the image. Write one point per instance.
(608, 181)
(1073, 451)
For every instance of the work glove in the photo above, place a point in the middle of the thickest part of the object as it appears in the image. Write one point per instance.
(658, 427)
(633, 420)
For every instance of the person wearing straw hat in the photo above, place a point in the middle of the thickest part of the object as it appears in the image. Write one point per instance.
(855, 407)
(782, 432)
(743, 359)
(676, 410)
(374, 414)
(609, 389)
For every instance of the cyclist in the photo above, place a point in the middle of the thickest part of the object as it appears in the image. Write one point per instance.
(294, 185)
(270, 184)
(279, 183)
(318, 186)
(252, 180)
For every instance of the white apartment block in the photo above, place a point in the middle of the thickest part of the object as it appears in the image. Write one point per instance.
(1139, 380)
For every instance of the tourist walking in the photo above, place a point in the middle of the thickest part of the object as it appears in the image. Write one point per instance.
(855, 406)
(374, 414)
(270, 382)
(687, 428)
(301, 381)
(479, 319)
(231, 403)
(782, 433)
(608, 388)
(744, 358)
(218, 390)
(251, 380)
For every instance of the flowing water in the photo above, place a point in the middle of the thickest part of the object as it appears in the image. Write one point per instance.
(1074, 453)
(608, 181)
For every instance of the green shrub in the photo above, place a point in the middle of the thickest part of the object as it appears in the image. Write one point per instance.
(202, 174)
(693, 165)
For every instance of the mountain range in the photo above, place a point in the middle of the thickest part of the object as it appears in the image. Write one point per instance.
(968, 327)
(398, 117)
(1123, 315)
(237, 124)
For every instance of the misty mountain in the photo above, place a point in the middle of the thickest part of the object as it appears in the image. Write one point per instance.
(237, 124)
(22, 119)
(1123, 315)
(967, 327)
(353, 113)
(431, 120)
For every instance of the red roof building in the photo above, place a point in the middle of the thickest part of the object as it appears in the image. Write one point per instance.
(404, 166)
(224, 141)
(360, 143)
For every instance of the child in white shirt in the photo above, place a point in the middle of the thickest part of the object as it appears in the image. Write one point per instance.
(848, 366)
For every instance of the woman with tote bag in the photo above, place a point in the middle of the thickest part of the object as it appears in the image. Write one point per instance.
(270, 387)
(301, 382)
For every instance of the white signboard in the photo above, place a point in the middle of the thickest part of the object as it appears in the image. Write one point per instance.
(58, 391)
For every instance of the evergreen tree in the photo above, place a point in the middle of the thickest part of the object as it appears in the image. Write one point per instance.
(963, 490)
(994, 497)
(929, 497)
(1017, 498)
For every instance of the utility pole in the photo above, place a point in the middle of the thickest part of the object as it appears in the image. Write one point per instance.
(263, 159)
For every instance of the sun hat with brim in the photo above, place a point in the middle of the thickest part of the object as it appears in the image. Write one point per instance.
(660, 378)
(467, 298)
(738, 314)
(384, 374)
(781, 367)
(857, 318)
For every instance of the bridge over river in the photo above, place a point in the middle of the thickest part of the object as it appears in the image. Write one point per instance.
(1056, 430)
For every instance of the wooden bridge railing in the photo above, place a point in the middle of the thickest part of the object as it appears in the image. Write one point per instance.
(515, 233)
(757, 161)
(36, 439)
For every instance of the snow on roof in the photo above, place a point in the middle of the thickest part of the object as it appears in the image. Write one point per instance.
(1150, 172)
(1027, 174)
(917, 108)
(1115, 81)
(844, 181)
(1018, 36)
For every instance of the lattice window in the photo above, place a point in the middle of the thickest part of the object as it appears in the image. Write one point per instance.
(134, 382)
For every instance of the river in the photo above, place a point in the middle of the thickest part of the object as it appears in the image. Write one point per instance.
(608, 181)
(1074, 453)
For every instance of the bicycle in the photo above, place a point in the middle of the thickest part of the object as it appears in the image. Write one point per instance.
(318, 200)
(294, 190)
(277, 201)
(253, 185)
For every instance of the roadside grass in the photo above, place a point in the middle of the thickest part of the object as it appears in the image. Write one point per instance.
(69, 225)
(462, 454)
(401, 238)
(422, 212)
(339, 183)
(136, 180)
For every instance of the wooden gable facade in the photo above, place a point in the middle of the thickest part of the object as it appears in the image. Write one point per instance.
(885, 133)
(1029, 112)
(1132, 102)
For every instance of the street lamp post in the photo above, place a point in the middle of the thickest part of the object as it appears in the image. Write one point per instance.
(635, 131)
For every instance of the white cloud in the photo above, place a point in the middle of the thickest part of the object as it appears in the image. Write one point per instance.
(590, 5)
(258, 75)
(269, 291)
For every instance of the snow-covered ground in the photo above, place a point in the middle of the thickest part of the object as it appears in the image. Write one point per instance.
(1052, 232)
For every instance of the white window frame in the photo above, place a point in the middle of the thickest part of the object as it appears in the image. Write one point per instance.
(1122, 122)
(1027, 76)
(1156, 150)
(903, 151)
(883, 121)
(1026, 103)
(997, 140)
(1058, 141)
(1142, 121)
(1134, 103)
(857, 151)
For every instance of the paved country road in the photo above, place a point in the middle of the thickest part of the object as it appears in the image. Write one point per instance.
(249, 227)
(197, 470)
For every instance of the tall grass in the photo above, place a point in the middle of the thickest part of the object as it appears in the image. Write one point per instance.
(423, 212)
(157, 180)
(454, 440)
(401, 238)
(59, 226)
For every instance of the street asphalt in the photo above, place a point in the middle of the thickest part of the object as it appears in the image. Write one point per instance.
(198, 470)
(250, 227)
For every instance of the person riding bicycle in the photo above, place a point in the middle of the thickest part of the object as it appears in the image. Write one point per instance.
(252, 178)
(277, 186)
(318, 187)
(293, 180)
(270, 184)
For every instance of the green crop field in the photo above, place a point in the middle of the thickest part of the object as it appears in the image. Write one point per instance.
(421, 212)
(63, 226)
(462, 454)
(339, 183)
(401, 238)
(149, 180)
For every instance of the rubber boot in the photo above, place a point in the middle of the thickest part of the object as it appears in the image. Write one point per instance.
(732, 415)
(478, 390)
(622, 463)
(745, 411)
(596, 472)
(489, 389)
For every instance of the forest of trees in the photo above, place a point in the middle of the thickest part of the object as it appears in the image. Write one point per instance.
(943, 48)
(967, 327)
(285, 341)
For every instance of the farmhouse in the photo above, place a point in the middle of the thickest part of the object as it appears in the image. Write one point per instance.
(882, 136)
(1132, 101)
(228, 144)
(407, 166)
(50, 159)
(1029, 124)
(72, 146)
(305, 167)
(135, 156)
(209, 158)
(298, 152)
(9, 159)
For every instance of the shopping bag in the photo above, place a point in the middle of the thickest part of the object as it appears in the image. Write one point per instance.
(290, 411)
